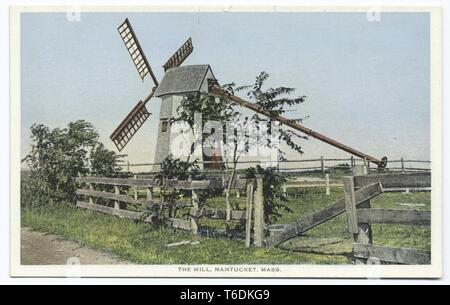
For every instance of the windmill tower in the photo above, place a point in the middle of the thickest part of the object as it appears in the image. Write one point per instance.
(176, 83)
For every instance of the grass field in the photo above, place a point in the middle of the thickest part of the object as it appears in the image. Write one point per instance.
(137, 243)
(328, 243)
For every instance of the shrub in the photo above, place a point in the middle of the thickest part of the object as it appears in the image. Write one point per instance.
(59, 155)
(274, 199)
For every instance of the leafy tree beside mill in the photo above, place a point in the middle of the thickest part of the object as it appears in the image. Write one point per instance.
(59, 155)
(222, 109)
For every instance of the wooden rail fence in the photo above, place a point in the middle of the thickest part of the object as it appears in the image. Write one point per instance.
(146, 209)
(361, 216)
(358, 191)
(313, 220)
(316, 164)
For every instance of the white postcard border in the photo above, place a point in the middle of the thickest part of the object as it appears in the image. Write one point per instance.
(286, 271)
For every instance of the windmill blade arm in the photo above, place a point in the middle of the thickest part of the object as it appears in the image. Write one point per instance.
(179, 56)
(134, 48)
(131, 124)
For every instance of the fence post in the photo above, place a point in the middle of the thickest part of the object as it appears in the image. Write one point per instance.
(117, 204)
(359, 170)
(364, 235)
(149, 195)
(322, 165)
(259, 212)
(327, 184)
(366, 166)
(91, 188)
(128, 166)
(117, 192)
(135, 190)
(403, 164)
(365, 171)
(248, 215)
(284, 189)
(350, 207)
(227, 195)
(193, 212)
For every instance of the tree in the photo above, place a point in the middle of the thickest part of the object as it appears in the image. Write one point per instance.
(175, 169)
(210, 108)
(59, 155)
(104, 162)
(237, 135)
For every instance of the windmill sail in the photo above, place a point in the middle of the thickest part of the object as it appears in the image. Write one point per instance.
(134, 49)
(139, 114)
(130, 125)
(180, 55)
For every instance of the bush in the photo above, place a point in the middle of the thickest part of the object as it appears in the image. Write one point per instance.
(58, 156)
(274, 199)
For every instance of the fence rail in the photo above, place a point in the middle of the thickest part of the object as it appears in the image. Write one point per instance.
(111, 196)
(150, 210)
(358, 191)
(411, 180)
(392, 255)
(178, 184)
(394, 216)
(313, 220)
(360, 218)
(316, 164)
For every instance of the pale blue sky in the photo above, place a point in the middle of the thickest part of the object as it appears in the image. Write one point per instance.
(367, 83)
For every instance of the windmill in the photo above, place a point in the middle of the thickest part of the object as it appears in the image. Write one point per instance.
(179, 81)
(176, 82)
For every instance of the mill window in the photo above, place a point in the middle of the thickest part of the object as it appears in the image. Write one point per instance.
(164, 125)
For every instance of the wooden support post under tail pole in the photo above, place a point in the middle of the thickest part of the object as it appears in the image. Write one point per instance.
(259, 212)
(249, 215)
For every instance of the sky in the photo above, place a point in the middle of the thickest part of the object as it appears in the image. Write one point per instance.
(367, 82)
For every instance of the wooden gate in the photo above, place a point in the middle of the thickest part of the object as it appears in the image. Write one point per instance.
(361, 216)
(358, 191)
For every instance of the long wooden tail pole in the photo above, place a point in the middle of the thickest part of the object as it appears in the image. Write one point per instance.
(297, 126)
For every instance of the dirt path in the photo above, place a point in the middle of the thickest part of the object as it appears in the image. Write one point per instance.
(48, 249)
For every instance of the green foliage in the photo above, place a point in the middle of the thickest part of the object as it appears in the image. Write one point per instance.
(222, 109)
(104, 162)
(175, 169)
(239, 137)
(59, 155)
(275, 101)
(211, 108)
(274, 199)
